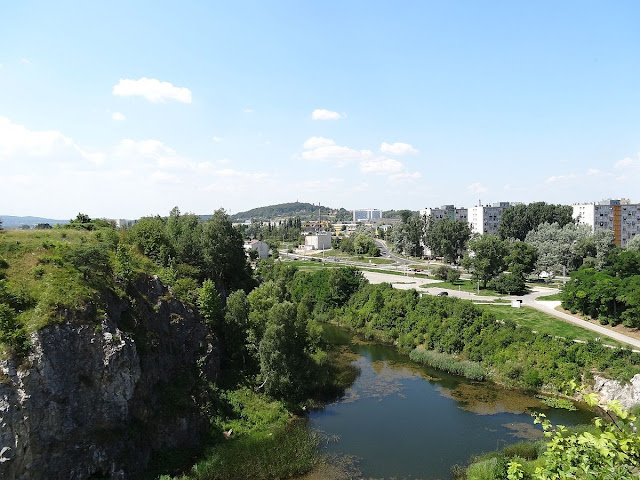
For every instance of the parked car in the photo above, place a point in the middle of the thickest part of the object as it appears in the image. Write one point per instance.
(442, 294)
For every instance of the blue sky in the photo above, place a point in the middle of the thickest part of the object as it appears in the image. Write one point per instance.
(123, 109)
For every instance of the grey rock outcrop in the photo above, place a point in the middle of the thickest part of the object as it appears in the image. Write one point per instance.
(97, 400)
(627, 394)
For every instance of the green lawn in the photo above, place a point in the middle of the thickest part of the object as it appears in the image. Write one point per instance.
(555, 296)
(352, 258)
(541, 322)
(465, 286)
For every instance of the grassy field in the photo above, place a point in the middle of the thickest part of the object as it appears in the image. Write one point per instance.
(543, 323)
(555, 296)
(352, 258)
(465, 286)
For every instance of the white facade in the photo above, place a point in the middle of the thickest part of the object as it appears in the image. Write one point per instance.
(320, 241)
(366, 214)
(486, 219)
(620, 216)
(446, 211)
(259, 246)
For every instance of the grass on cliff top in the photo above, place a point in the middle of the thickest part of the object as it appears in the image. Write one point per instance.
(38, 272)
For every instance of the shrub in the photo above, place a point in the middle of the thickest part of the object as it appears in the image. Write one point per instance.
(449, 364)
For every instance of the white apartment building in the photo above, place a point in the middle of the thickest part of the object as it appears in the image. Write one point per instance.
(486, 219)
(620, 216)
(445, 211)
(364, 215)
(319, 241)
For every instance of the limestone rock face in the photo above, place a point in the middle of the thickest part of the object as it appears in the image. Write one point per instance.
(99, 399)
(628, 394)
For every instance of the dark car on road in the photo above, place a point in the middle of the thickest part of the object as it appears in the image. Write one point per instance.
(442, 294)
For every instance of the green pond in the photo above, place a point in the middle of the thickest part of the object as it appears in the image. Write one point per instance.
(400, 420)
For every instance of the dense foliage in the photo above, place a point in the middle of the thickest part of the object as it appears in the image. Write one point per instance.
(611, 295)
(406, 237)
(518, 220)
(511, 355)
(446, 237)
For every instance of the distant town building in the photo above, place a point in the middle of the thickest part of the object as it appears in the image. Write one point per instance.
(319, 241)
(485, 219)
(445, 211)
(366, 215)
(259, 246)
(620, 216)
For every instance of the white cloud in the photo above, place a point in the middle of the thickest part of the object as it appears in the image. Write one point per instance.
(560, 178)
(477, 187)
(231, 173)
(405, 176)
(248, 110)
(627, 162)
(317, 142)
(25, 61)
(397, 148)
(152, 89)
(323, 114)
(164, 177)
(19, 140)
(117, 116)
(336, 154)
(217, 139)
(164, 156)
(594, 171)
(381, 166)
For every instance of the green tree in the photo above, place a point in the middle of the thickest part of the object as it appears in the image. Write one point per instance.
(446, 238)
(92, 261)
(518, 220)
(407, 236)
(633, 244)
(521, 258)
(556, 246)
(149, 235)
(224, 259)
(209, 303)
(123, 265)
(612, 452)
(509, 283)
(285, 364)
(486, 257)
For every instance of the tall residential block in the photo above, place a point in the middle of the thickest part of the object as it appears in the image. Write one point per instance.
(620, 216)
(486, 218)
(445, 211)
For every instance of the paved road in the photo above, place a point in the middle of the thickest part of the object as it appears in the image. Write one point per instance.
(530, 300)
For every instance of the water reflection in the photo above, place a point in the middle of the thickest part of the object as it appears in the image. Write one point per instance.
(402, 420)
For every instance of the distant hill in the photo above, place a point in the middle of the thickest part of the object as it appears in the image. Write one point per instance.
(9, 221)
(306, 211)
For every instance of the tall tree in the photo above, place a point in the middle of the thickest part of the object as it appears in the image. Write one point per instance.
(521, 259)
(556, 246)
(223, 255)
(446, 238)
(518, 220)
(486, 257)
(407, 237)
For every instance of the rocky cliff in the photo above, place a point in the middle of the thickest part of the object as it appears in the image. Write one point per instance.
(627, 394)
(97, 398)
